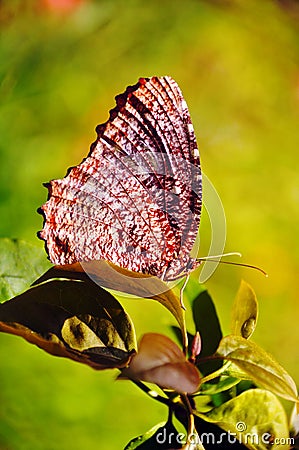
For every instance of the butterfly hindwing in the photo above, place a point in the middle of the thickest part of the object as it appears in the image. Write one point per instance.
(136, 199)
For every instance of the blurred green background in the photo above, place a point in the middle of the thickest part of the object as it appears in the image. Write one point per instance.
(62, 63)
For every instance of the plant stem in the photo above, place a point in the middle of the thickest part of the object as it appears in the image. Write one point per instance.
(191, 429)
(181, 400)
(184, 330)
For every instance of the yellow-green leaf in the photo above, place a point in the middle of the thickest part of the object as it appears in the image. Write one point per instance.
(259, 365)
(161, 436)
(255, 418)
(224, 384)
(20, 264)
(244, 311)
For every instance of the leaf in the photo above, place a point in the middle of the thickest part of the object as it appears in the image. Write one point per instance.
(114, 277)
(211, 394)
(164, 436)
(225, 383)
(72, 318)
(256, 418)
(20, 264)
(212, 436)
(244, 312)
(161, 436)
(193, 288)
(203, 403)
(259, 365)
(207, 324)
(159, 360)
(197, 445)
(294, 421)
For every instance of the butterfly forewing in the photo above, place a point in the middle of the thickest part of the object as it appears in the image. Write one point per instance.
(136, 199)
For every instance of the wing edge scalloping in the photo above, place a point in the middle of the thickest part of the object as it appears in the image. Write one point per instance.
(131, 89)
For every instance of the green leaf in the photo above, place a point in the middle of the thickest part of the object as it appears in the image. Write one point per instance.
(258, 365)
(20, 264)
(161, 436)
(244, 312)
(203, 403)
(213, 436)
(72, 318)
(225, 383)
(114, 277)
(256, 418)
(207, 323)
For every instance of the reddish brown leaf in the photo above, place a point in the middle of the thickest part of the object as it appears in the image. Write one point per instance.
(159, 360)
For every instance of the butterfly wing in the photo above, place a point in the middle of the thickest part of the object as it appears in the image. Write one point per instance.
(136, 199)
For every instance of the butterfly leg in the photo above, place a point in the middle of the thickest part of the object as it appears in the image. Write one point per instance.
(182, 291)
(164, 273)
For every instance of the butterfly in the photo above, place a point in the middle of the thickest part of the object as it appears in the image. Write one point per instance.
(136, 199)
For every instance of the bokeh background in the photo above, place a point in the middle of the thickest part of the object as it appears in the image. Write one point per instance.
(61, 64)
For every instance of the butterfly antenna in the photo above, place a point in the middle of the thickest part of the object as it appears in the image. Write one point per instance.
(212, 259)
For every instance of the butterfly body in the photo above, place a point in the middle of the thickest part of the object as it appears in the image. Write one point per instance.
(136, 199)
